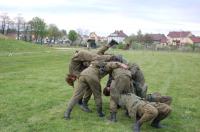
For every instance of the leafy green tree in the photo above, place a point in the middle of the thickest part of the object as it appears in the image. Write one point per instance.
(139, 36)
(53, 32)
(72, 35)
(147, 40)
(132, 40)
(39, 28)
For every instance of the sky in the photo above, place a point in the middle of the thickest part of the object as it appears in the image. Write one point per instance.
(106, 16)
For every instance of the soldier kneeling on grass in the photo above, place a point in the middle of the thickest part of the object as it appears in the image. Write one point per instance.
(142, 111)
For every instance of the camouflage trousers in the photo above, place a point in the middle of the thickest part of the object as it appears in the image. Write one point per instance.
(153, 110)
(121, 84)
(87, 86)
(144, 111)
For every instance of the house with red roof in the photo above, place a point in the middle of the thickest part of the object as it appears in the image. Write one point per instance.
(159, 39)
(179, 37)
(195, 40)
(118, 36)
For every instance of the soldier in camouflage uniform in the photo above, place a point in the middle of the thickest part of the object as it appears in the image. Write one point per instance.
(140, 87)
(122, 84)
(137, 107)
(89, 79)
(79, 62)
(144, 111)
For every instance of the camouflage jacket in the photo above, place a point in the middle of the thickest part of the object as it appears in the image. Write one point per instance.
(131, 102)
(94, 69)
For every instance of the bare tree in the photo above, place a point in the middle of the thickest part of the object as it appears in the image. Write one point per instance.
(19, 20)
(10, 26)
(26, 31)
(4, 19)
(30, 23)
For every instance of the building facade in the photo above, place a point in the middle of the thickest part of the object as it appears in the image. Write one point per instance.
(118, 36)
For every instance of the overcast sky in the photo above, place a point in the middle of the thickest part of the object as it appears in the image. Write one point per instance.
(106, 16)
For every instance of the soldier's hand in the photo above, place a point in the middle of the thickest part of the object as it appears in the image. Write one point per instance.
(124, 66)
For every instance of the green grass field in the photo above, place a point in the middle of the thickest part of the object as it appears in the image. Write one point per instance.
(33, 93)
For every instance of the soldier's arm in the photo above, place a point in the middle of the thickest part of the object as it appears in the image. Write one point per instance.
(113, 65)
(102, 50)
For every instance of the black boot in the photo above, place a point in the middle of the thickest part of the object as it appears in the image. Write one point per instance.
(100, 112)
(80, 102)
(112, 42)
(127, 114)
(136, 127)
(113, 117)
(156, 124)
(67, 114)
(84, 106)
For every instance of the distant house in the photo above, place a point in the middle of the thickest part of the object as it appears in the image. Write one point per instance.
(159, 39)
(118, 36)
(102, 39)
(179, 37)
(92, 40)
(93, 36)
(195, 40)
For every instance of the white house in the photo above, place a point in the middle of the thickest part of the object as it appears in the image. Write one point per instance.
(118, 36)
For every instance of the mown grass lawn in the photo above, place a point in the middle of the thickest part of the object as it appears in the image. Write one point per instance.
(33, 93)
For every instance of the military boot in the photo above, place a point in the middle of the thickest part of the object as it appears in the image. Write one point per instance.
(84, 106)
(156, 124)
(113, 42)
(80, 102)
(113, 117)
(136, 127)
(127, 114)
(67, 114)
(100, 112)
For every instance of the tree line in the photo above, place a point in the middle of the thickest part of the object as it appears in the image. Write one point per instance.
(139, 39)
(35, 30)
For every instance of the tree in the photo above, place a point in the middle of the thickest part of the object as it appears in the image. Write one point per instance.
(72, 35)
(53, 32)
(27, 33)
(131, 39)
(11, 27)
(147, 40)
(39, 28)
(63, 32)
(139, 36)
(30, 23)
(4, 18)
(19, 23)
